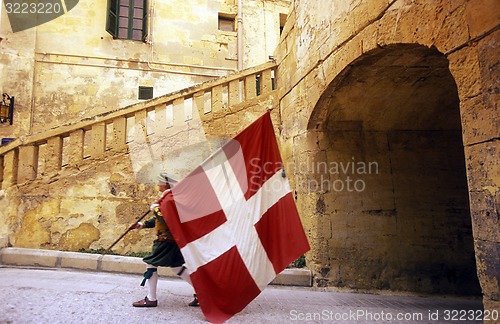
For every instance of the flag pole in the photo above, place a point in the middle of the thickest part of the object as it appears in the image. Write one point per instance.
(128, 230)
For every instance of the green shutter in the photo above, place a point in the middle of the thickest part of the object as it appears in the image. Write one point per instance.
(112, 17)
(145, 20)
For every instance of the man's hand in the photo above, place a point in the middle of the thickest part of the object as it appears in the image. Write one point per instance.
(137, 226)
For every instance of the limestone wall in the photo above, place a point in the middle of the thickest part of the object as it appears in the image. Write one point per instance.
(106, 168)
(71, 68)
(261, 25)
(355, 237)
(91, 203)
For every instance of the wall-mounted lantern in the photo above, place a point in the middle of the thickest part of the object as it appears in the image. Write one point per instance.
(6, 109)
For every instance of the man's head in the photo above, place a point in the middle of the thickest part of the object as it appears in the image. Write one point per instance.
(165, 181)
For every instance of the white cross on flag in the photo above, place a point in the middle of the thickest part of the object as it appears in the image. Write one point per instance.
(235, 221)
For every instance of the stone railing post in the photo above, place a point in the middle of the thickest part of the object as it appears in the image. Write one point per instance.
(160, 124)
(98, 141)
(250, 87)
(178, 112)
(28, 163)
(75, 149)
(119, 132)
(54, 155)
(217, 98)
(266, 82)
(234, 92)
(199, 103)
(10, 166)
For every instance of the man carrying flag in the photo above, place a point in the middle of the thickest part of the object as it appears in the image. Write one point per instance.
(165, 252)
(235, 221)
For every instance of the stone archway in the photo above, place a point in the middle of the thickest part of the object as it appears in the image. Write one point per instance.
(392, 177)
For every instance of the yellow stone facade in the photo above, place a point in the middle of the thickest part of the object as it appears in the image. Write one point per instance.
(183, 47)
(387, 116)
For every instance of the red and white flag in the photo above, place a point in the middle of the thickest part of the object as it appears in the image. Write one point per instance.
(235, 221)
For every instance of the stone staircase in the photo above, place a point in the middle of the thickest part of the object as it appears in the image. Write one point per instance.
(45, 154)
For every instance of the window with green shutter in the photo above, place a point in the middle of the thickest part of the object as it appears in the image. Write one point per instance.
(127, 19)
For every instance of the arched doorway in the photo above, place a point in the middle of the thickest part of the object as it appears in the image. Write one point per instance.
(393, 179)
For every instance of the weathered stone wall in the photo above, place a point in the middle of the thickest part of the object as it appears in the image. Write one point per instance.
(322, 41)
(17, 64)
(90, 204)
(258, 17)
(70, 68)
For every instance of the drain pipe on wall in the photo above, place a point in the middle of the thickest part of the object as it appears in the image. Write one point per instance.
(240, 37)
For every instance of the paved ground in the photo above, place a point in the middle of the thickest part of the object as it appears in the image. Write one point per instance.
(45, 295)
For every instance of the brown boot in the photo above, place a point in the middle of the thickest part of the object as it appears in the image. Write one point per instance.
(145, 303)
(194, 303)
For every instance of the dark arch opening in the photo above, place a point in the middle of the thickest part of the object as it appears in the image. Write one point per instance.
(396, 193)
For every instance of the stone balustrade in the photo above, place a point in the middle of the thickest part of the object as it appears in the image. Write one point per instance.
(45, 154)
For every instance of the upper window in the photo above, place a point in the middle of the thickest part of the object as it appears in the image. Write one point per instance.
(127, 19)
(226, 22)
